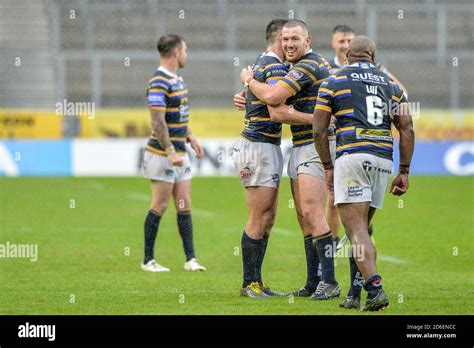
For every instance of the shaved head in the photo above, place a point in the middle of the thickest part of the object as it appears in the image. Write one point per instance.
(293, 23)
(361, 48)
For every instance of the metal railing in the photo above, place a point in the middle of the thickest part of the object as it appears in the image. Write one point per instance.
(365, 11)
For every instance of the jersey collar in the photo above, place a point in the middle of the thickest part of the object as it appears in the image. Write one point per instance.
(166, 71)
(274, 55)
(357, 64)
(337, 63)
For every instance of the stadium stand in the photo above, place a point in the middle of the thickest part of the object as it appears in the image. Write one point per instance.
(88, 62)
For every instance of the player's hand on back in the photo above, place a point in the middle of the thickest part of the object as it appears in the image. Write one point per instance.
(246, 74)
(239, 100)
(175, 159)
(399, 184)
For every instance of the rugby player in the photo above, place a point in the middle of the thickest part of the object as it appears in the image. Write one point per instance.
(258, 160)
(166, 162)
(364, 101)
(341, 38)
(301, 85)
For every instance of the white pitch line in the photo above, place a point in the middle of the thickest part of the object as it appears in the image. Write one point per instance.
(138, 196)
(281, 230)
(391, 259)
(142, 197)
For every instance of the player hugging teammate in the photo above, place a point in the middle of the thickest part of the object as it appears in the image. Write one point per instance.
(292, 99)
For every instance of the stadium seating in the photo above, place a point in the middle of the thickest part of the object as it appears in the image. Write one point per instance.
(408, 46)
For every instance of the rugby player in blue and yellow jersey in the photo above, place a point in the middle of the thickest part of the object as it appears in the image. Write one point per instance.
(258, 160)
(166, 162)
(300, 87)
(341, 39)
(365, 102)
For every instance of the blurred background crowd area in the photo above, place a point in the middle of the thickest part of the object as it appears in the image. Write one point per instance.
(98, 55)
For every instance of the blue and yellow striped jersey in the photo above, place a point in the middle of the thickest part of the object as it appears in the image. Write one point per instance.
(258, 126)
(303, 81)
(363, 99)
(336, 65)
(168, 92)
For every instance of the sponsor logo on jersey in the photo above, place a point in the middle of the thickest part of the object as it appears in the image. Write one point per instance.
(367, 166)
(295, 75)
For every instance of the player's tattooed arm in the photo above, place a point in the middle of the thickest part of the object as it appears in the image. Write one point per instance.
(269, 94)
(404, 124)
(160, 131)
(288, 115)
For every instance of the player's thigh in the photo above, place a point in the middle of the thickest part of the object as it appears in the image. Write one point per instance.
(312, 194)
(371, 214)
(296, 196)
(260, 200)
(354, 216)
(182, 195)
(161, 192)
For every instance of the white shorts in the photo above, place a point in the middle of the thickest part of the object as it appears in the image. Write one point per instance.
(361, 177)
(305, 159)
(257, 163)
(156, 167)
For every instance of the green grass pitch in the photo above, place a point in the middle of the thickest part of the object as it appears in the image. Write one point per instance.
(425, 244)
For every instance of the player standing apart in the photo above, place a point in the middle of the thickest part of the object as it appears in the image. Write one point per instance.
(166, 162)
(364, 151)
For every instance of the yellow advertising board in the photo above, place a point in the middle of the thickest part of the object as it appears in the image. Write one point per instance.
(29, 124)
(211, 123)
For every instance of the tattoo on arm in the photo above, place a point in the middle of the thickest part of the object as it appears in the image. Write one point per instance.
(160, 128)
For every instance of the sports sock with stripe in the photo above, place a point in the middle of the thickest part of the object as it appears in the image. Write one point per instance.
(185, 227)
(324, 247)
(152, 221)
(261, 255)
(250, 252)
(312, 264)
(357, 280)
(373, 285)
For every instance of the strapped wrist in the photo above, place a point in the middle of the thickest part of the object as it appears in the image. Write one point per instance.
(404, 168)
